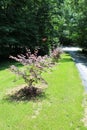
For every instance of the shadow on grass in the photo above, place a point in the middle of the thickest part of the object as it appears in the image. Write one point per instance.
(26, 94)
(6, 64)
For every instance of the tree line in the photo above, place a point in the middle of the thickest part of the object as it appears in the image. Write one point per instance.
(41, 23)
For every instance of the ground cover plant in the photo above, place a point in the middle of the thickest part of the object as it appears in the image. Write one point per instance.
(59, 109)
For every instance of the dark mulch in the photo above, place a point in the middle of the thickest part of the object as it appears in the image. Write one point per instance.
(25, 94)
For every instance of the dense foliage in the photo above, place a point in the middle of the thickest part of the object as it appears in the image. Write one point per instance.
(43, 23)
(75, 25)
(25, 23)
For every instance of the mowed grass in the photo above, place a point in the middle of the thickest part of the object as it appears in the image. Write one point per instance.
(59, 109)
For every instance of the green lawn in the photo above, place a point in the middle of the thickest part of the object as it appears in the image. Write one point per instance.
(59, 109)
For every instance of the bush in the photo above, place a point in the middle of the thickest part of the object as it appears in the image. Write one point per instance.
(34, 65)
(55, 54)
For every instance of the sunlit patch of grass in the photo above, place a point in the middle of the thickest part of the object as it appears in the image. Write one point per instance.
(59, 109)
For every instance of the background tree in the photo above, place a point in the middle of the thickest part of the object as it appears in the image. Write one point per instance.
(25, 24)
(74, 14)
(43, 23)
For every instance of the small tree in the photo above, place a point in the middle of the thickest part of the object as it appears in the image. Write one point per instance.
(34, 65)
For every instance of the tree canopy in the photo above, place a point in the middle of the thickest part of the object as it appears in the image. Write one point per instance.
(41, 23)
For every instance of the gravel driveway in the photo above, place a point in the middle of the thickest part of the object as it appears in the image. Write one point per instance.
(81, 63)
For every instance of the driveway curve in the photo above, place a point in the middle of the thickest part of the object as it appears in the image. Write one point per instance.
(80, 61)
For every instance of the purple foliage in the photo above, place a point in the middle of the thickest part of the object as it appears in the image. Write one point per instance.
(34, 65)
(55, 54)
